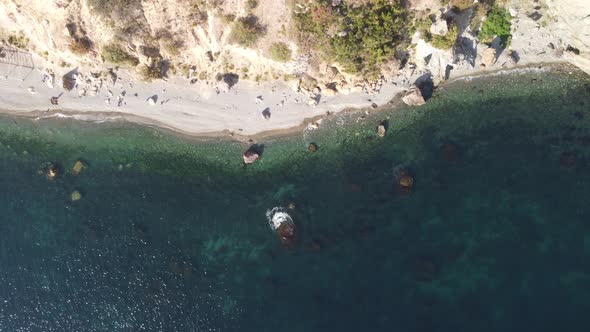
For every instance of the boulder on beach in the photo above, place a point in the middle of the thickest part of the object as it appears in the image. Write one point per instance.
(152, 100)
(414, 97)
(488, 57)
(250, 156)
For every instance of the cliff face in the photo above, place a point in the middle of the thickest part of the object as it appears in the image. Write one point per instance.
(185, 33)
(573, 26)
(199, 36)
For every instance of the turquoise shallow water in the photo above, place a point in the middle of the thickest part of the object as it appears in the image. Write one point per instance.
(171, 233)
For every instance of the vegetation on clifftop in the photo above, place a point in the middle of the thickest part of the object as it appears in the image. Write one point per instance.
(497, 24)
(280, 52)
(359, 37)
(246, 31)
(115, 54)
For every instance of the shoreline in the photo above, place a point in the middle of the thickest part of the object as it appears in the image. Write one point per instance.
(99, 116)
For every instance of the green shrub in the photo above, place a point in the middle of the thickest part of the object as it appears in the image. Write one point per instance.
(18, 41)
(109, 7)
(423, 26)
(151, 72)
(447, 41)
(461, 5)
(251, 4)
(496, 25)
(246, 31)
(480, 10)
(365, 36)
(280, 52)
(115, 54)
(81, 46)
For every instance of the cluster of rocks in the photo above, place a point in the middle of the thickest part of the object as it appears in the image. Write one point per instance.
(52, 171)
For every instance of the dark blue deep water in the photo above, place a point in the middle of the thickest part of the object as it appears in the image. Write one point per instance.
(171, 232)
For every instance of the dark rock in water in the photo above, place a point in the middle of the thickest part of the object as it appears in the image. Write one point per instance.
(312, 147)
(287, 236)
(250, 156)
(51, 171)
(381, 129)
(568, 160)
(424, 270)
(450, 152)
(253, 153)
(405, 181)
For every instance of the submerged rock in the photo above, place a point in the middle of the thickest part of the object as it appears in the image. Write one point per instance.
(78, 167)
(312, 147)
(450, 152)
(76, 195)
(414, 97)
(381, 130)
(51, 171)
(405, 181)
(282, 223)
(568, 160)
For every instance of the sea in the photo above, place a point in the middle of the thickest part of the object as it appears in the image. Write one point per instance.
(489, 231)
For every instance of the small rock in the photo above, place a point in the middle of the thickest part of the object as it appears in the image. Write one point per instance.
(312, 101)
(405, 181)
(250, 157)
(512, 12)
(514, 56)
(317, 90)
(330, 91)
(488, 57)
(259, 99)
(51, 171)
(152, 101)
(535, 16)
(381, 130)
(78, 167)
(266, 113)
(572, 49)
(414, 97)
(76, 195)
(312, 147)
(568, 160)
(32, 90)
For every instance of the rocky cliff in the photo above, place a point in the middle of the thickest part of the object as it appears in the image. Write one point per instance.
(257, 40)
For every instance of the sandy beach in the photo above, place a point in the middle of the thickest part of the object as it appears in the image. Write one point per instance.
(190, 108)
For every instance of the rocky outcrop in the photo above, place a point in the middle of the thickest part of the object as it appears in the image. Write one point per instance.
(414, 97)
(488, 57)
(572, 24)
(250, 156)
